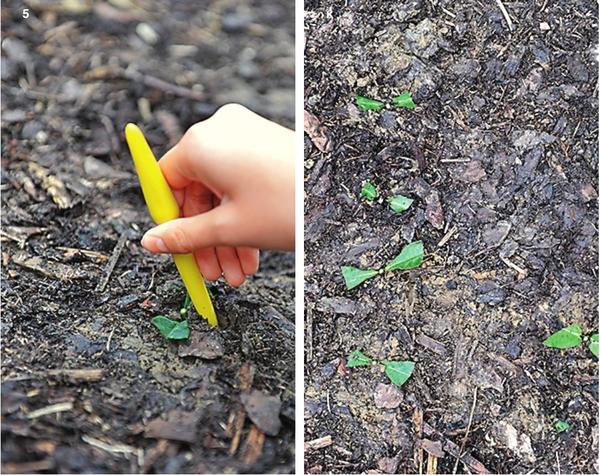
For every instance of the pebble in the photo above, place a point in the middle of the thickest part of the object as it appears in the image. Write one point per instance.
(16, 49)
(235, 22)
(147, 33)
(30, 129)
(15, 115)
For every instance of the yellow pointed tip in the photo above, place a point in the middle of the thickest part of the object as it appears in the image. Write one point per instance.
(131, 131)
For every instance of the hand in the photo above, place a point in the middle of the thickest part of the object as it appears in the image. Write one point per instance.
(233, 177)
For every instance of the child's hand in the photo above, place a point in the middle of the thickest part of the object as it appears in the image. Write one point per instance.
(233, 177)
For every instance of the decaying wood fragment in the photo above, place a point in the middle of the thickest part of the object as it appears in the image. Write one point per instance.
(52, 185)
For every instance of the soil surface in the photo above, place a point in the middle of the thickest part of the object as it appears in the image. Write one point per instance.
(500, 156)
(88, 383)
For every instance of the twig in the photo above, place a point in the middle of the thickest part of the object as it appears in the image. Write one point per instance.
(447, 236)
(455, 160)
(164, 86)
(464, 442)
(513, 266)
(454, 449)
(109, 339)
(115, 448)
(52, 409)
(86, 375)
(112, 262)
(506, 15)
(557, 462)
(319, 443)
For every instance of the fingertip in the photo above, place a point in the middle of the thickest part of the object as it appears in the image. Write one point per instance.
(236, 280)
(154, 244)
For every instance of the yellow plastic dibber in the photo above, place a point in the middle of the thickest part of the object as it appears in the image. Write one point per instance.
(163, 207)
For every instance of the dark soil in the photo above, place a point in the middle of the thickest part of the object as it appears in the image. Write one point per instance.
(71, 80)
(501, 157)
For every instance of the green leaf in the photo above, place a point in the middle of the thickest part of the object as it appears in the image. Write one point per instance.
(369, 191)
(399, 371)
(593, 346)
(354, 276)
(171, 329)
(400, 203)
(356, 358)
(566, 338)
(410, 257)
(404, 100)
(561, 426)
(366, 104)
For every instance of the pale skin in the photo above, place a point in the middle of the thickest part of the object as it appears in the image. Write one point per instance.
(233, 177)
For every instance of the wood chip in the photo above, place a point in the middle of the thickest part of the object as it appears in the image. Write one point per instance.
(20, 234)
(453, 449)
(179, 425)
(433, 447)
(52, 185)
(318, 133)
(29, 467)
(253, 446)
(87, 375)
(431, 344)
(112, 262)
(263, 410)
(319, 443)
(54, 270)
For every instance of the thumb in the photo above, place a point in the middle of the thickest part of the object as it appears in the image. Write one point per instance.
(185, 235)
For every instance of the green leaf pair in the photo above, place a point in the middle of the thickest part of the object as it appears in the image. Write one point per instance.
(398, 203)
(175, 329)
(397, 371)
(403, 100)
(570, 337)
(410, 257)
(171, 329)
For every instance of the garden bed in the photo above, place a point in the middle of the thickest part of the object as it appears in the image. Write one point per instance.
(500, 156)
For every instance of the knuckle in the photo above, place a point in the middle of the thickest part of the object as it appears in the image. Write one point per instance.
(222, 228)
(177, 240)
(229, 110)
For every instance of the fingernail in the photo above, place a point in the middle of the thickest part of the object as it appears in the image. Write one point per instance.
(154, 244)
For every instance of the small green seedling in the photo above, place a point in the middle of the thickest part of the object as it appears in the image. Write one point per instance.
(561, 426)
(399, 203)
(187, 304)
(175, 329)
(397, 371)
(570, 337)
(369, 191)
(171, 329)
(410, 257)
(366, 104)
(403, 100)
